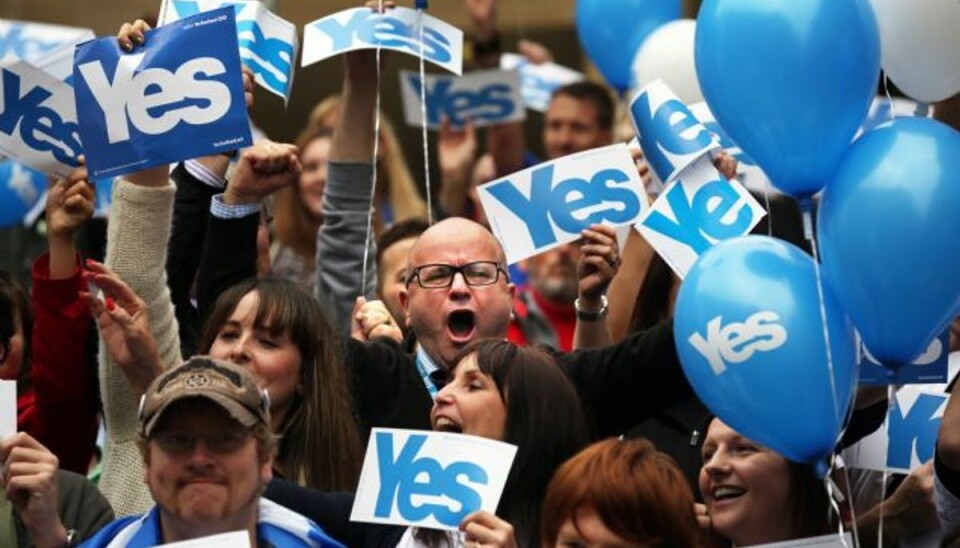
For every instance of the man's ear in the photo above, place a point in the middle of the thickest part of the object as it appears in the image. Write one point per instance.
(405, 305)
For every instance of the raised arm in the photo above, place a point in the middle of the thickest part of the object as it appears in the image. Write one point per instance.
(66, 402)
(341, 240)
(598, 265)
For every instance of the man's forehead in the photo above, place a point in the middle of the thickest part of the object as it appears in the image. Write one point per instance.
(470, 243)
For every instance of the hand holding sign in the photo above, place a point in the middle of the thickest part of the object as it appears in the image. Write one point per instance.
(599, 262)
(32, 487)
(70, 203)
(486, 529)
(262, 169)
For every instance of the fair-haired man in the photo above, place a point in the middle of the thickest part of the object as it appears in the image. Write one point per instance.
(208, 451)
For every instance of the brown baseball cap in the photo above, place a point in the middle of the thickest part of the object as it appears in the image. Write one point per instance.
(229, 386)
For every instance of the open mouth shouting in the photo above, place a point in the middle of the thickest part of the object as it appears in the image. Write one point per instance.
(461, 326)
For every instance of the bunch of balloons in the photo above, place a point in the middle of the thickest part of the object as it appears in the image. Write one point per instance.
(762, 330)
(611, 32)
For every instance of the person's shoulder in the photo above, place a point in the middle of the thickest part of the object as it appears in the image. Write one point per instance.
(280, 526)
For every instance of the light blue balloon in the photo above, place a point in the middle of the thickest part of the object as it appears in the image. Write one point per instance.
(611, 32)
(750, 338)
(888, 227)
(789, 80)
(20, 189)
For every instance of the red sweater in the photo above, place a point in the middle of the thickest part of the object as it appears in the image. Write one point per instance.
(61, 409)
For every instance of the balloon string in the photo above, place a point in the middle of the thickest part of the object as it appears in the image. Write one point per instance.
(808, 229)
(368, 242)
(832, 495)
(853, 512)
(886, 90)
(883, 486)
(423, 116)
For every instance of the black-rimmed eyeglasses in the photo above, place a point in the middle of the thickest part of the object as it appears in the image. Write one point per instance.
(437, 276)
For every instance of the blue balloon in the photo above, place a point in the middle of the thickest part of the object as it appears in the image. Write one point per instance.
(750, 338)
(888, 224)
(20, 189)
(611, 32)
(789, 80)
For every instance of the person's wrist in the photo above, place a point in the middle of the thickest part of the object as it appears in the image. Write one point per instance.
(51, 536)
(591, 308)
(60, 236)
(231, 196)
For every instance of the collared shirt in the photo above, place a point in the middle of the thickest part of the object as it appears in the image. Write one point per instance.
(427, 368)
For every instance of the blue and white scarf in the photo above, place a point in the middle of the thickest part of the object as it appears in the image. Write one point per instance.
(277, 527)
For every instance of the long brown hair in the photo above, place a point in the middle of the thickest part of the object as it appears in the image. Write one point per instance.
(545, 421)
(295, 226)
(320, 444)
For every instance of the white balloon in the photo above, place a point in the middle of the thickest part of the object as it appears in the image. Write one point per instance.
(667, 54)
(920, 46)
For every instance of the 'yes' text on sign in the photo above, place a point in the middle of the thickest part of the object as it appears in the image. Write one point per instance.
(268, 43)
(180, 96)
(429, 479)
(486, 97)
(38, 120)
(670, 135)
(548, 205)
(695, 213)
(398, 29)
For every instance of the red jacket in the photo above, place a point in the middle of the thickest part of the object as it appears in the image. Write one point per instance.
(61, 408)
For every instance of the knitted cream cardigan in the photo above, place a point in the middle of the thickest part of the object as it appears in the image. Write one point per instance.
(137, 237)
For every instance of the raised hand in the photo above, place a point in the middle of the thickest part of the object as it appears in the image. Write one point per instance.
(124, 326)
(599, 262)
(371, 320)
(485, 529)
(261, 170)
(32, 487)
(70, 203)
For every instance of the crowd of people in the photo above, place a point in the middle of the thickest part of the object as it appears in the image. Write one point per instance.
(246, 352)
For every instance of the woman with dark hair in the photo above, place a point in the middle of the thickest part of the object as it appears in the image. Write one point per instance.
(635, 496)
(279, 332)
(519, 396)
(754, 495)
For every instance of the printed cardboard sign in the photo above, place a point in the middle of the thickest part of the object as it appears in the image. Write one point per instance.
(696, 212)
(908, 437)
(539, 81)
(178, 97)
(929, 368)
(38, 120)
(398, 29)
(429, 479)
(486, 97)
(268, 43)
(670, 135)
(548, 205)
(8, 408)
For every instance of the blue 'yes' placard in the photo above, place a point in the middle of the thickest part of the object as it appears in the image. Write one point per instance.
(928, 368)
(179, 96)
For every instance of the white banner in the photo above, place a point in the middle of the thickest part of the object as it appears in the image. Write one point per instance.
(268, 43)
(538, 81)
(548, 205)
(236, 539)
(398, 29)
(8, 408)
(908, 437)
(429, 479)
(670, 135)
(696, 212)
(486, 97)
(38, 120)
(832, 540)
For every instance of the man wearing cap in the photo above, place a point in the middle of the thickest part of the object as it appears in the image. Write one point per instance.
(208, 453)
